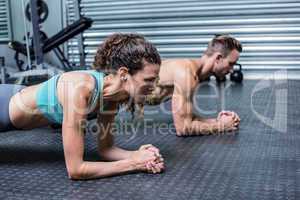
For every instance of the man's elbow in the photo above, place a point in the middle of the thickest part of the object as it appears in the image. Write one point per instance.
(182, 131)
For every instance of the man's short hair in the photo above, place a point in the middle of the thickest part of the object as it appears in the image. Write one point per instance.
(223, 44)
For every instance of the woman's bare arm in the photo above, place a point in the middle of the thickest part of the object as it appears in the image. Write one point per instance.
(105, 138)
(74, 107)
(75, 104)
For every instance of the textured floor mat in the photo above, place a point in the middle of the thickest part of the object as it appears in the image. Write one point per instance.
(261, 161)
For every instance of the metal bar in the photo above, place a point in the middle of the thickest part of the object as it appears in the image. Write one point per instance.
(26, 36)
(80, 37)
(64, 7)
(59, 53)
(2, 70)
(36, 34)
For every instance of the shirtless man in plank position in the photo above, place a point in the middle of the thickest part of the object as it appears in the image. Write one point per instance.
(178, 79)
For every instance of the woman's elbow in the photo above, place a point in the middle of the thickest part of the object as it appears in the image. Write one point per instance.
(76, 172)
(75, 175)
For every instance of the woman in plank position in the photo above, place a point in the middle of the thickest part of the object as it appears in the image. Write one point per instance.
(69, 98)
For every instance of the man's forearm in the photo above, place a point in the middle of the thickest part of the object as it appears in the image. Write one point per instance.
(207, 120)
(204, 127)
(200, 127)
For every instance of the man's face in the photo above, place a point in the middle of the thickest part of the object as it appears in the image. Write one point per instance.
(225, 65)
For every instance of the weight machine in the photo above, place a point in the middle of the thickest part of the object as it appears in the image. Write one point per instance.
(35, 69)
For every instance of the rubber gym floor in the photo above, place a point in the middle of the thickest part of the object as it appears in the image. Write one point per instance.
(260, 161)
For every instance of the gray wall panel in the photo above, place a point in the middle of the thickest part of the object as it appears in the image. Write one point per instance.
(268, 29)
(5, 31)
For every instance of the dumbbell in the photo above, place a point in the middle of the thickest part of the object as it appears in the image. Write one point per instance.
(220, 79)
(237, 75)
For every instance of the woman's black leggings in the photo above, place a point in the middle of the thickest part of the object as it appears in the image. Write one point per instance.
(6, 92)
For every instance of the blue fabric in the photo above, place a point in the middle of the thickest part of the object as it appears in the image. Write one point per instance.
(48, 103)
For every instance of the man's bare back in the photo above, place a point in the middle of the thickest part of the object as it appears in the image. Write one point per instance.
(170, 71)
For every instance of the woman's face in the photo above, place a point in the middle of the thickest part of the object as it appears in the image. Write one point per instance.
(143, 82)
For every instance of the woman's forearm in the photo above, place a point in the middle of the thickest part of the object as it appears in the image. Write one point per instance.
(93, 170)
(115, 153)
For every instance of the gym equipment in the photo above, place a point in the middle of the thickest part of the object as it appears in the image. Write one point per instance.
(3, 74)
(220, 79)
(37, 70)
(207, 79)
(41, 44)
(42, 10)
(52, 43)
(80, 39)
(237, 75)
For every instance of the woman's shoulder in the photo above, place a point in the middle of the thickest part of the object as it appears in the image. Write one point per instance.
(77, 80)
(81, 75)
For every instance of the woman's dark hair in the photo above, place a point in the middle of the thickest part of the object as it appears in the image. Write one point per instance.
(125, 50)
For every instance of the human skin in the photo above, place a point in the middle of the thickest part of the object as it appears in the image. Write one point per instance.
(178, 79)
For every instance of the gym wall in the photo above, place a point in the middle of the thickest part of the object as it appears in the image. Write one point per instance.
(268, 29)
(5, 32)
